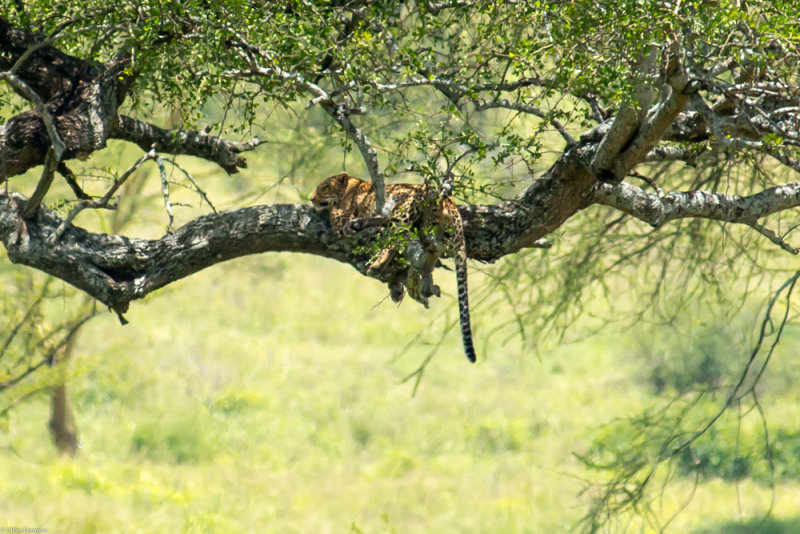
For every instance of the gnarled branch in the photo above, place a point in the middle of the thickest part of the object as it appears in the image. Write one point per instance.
(658, 210)
(189, 142)
(117, 269)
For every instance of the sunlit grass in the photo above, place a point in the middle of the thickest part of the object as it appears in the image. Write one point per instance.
(266, 395)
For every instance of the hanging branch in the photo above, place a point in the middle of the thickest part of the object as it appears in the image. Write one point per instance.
(54, 151)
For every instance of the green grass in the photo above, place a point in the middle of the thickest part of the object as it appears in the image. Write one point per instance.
(266, 395)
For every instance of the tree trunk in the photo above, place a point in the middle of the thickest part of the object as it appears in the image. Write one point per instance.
(62, 422)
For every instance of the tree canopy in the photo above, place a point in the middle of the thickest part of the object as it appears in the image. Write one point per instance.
(656, 143)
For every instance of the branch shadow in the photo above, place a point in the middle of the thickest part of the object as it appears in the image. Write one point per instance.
(767, 525)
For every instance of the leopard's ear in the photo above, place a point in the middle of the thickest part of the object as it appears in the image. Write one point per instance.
(337, 180)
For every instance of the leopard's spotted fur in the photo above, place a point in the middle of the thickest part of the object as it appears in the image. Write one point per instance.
(350, 202)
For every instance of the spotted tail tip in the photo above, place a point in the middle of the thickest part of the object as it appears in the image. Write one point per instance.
(470, 353)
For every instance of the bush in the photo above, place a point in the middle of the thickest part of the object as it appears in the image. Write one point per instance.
(687, 356)
(721, 453)
(732, 449)
(177, 438)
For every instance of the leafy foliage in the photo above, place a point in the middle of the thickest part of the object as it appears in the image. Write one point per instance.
(569, 59)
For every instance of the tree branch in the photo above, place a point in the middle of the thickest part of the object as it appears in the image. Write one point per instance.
(674, 153)
(117, 269)
(618, 135)
(633, 135)
(339, 112)
(531, 110)
(75, 102)
(657, 210)
(652, 130)
(189, 142)
(56, 149)
(98, 204)
(445, 85)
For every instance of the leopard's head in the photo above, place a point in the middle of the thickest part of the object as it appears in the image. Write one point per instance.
(329, 191)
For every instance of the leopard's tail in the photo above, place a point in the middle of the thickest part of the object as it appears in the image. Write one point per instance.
(463, 291)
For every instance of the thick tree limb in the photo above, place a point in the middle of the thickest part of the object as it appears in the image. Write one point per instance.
(30, 95)
(75, 101)
(116, 269)
(622, 129)
(658, 210)
(209, 147)
(48, 71)
(630, 139)
(651, 132)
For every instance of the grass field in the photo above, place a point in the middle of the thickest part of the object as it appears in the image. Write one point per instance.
(266, 395)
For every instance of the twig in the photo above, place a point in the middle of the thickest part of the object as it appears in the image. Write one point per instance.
(532, 110)
(420, 371)
(737, 392)
(197, 188)
(103, 203)
(49, 358)
(69, 177)
(13, 333)
(772, 236)
(339, 112)
(51, 161)
(165, 191)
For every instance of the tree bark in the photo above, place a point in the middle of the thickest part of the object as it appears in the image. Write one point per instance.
(62, 422)
(83, 98)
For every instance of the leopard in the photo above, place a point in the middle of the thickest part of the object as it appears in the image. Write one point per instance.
(349, 203)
